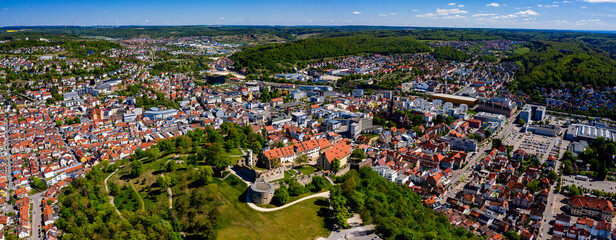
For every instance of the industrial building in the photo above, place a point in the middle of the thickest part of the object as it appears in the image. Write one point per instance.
(499, 119)
(156, 113)
(498, 105)
(455, 99)
(582, 132)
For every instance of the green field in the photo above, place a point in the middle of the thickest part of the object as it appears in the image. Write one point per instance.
(307, 169)
(238, 221)
(521, 50)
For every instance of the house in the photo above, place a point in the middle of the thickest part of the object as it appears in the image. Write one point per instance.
(563, 220)
(591, 207)
(20, 192)
(603, 229)
(340, 151)
(525, 234)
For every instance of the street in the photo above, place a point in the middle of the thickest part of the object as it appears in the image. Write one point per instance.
(37, 216)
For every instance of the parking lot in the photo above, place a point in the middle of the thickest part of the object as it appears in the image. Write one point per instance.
(606, 186)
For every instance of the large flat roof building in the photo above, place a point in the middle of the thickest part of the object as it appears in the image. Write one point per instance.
(582, 131)
(455, 99)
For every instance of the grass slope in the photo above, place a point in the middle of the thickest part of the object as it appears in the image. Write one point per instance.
(238, 221)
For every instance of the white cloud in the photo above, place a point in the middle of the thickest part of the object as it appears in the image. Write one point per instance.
(356, 13)
(454, 17)
(221, 18)
(415, 10)
(5, 9)
(527, 13)
(600, 1)
(548, 6)
(460, 5)
(451, 4)
(484, 14)
(493, 5)
(393, 14)
(382, 15)
(446, 12)
(589, 22)
(426, 15)
(147, 20)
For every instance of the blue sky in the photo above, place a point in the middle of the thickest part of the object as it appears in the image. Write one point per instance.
(533, 14)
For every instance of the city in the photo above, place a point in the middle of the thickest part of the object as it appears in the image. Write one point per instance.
(308, 132)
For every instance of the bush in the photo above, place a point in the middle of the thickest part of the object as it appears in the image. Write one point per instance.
(281, 196)
(296, 189)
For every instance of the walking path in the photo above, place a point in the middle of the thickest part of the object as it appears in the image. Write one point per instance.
(169, 193)
(329, 180)
(261, 209)
(138, 195)
(107, 189)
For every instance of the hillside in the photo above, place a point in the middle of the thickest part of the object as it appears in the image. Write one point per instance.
(275, 58)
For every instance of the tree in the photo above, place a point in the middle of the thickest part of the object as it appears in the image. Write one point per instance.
(136, 168)
(204, 174)
(152, 153)
(488, 133)
(512, 235)
(301, 159)
(522, 122)
(533, 186)
(319, 183)
(497, 143)
(213, 154)
(38, 183)
(336, 165)
(170, 166)
(553, 176)
(295, 189)
(281, 196)
(256, 147)
(162, 181)
(358, 154)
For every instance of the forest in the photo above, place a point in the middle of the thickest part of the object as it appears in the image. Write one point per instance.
(397, 212)
(276, 58)
(562, 65)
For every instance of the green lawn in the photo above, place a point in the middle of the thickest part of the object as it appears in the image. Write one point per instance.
(235, 151)
(521, 50)
(370, 135)
(238, 221)
(307, 169)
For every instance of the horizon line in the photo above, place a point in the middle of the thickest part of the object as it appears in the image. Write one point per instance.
(313, 26)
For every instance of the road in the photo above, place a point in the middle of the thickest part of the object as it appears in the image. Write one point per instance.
(358, 233)
(260, 209)
(466, 170)
(37, 216)
(549, 214)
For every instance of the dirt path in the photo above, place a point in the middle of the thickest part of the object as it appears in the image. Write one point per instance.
(261, 209)
(139, 195)
(107, 189)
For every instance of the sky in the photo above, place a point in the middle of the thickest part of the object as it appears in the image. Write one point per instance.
(527, 14)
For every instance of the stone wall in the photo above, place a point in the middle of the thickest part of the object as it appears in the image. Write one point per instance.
(306, 179)
(343, 170)
(273, 174)
(246, 171)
